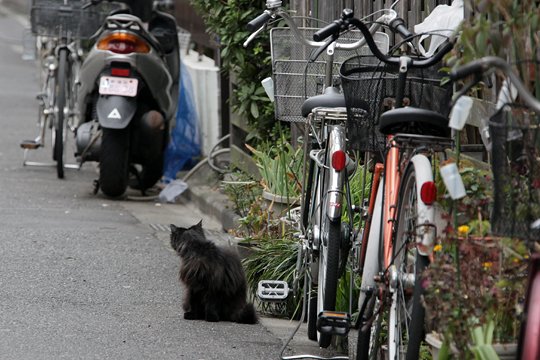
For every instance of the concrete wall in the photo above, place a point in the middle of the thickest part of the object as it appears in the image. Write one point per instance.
(22, 6)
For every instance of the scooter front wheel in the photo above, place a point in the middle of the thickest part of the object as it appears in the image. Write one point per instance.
(114, 162)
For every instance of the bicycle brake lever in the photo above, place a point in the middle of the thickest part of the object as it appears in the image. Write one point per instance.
(320, 49)
(253, 36)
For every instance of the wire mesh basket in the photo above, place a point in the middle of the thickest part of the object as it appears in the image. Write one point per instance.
(515, 161)
(369, 85)
(296, 79)
(59, 18)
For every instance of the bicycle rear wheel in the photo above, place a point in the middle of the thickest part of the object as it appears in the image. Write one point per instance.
(328, 272)
(406, 313)
(326, 234)
(59, 134)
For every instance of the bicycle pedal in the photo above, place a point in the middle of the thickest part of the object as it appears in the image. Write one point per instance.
(272, 290)
(334, 323)
(30, 144)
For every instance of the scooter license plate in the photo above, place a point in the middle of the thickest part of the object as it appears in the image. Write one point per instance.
(110, 85)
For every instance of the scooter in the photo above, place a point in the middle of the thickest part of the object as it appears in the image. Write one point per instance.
(127, 97)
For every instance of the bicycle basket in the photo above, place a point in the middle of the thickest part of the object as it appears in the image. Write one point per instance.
(295, 79)
(515, 161)
(367, 82)
(53, 18)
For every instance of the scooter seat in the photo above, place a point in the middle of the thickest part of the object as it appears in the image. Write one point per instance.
(413, 121)
(331, 98)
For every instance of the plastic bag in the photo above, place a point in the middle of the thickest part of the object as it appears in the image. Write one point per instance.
(440, 24)
(173, 189)
(185, 141)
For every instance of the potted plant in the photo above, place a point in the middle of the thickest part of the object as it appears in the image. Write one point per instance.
(475, 282)
(280, 166)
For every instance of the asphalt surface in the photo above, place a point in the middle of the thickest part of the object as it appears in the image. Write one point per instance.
(86, 277)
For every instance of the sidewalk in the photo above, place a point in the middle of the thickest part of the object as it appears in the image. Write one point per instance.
(215, 209)
(203, 192)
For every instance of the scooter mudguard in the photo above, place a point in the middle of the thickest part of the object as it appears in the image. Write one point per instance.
(115, 112)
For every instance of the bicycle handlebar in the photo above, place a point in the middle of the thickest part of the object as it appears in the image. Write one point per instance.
(480, 66)
(259, 21)
(257, 25)
(398, 26)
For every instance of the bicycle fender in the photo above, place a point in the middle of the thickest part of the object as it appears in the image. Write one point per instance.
(115, 112)
(426, 229)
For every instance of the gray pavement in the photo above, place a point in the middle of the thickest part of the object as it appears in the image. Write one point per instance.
(84, 277)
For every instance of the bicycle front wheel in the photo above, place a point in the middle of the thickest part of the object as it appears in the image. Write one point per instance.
(406, 313)
(59, 135)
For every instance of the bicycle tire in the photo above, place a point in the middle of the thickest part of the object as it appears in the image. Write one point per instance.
(312, 318)
(366, 347)
(407, 332)
(60, 105)
(328, 272)
(530, 345)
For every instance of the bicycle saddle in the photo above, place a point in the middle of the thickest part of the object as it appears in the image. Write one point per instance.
(331, 98)
(414, 121)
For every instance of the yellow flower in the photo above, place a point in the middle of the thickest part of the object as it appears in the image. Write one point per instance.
(437, 247)
(463, 230)
(487, 264)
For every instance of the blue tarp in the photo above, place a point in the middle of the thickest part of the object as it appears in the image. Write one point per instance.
(185, 142)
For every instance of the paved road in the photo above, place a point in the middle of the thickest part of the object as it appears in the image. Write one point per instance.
(84, 277)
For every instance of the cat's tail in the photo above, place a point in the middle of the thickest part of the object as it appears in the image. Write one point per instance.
(247, 315)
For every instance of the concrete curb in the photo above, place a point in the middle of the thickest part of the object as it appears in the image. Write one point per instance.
(213, 203)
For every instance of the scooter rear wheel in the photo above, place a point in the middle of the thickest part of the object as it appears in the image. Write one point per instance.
(114, 162)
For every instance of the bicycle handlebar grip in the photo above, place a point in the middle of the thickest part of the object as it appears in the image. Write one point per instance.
(259, 21)
(326, 31)
(398, 25)
(466, 70)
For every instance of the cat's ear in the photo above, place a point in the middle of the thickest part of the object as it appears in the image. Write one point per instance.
(173, 228)
(199, 224)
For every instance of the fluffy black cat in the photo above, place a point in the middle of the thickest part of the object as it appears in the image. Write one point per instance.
(214, 278)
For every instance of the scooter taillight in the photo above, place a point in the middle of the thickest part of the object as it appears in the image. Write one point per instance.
(120, 72)
(123, 43)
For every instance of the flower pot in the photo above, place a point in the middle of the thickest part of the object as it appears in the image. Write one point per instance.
(504, 351)
(280, 204)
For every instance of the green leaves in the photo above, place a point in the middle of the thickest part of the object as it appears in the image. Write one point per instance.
(227, 20)
(280, 167)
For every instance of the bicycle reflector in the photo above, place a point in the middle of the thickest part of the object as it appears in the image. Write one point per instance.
(428, 192)
(339, 159)
(123, 43)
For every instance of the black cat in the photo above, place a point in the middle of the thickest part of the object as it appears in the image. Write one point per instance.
(214, 278)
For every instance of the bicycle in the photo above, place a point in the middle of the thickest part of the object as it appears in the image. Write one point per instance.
(325, 240)
(515, 159)
(400, 229)
(60, 25)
